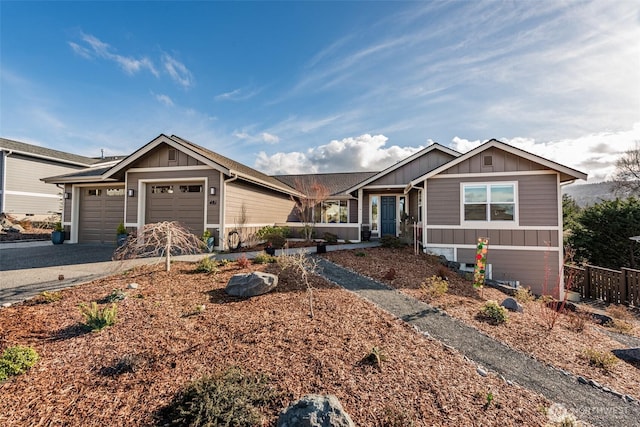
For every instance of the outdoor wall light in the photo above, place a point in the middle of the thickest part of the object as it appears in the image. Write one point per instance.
(67, 196)
(130, 192)
(212, 191)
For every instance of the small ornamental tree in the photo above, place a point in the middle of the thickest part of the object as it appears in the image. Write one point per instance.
(160, 239)
(314, 193)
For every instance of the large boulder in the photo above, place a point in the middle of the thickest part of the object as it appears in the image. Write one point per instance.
(631, 355)
(251, 284)
(315, 410)
(512, 305)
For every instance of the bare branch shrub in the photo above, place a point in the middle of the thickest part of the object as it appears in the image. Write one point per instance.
(550, 308)
(160, 239)
(314, 194)
(303, 265)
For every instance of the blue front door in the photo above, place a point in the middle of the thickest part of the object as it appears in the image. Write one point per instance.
(388, 215)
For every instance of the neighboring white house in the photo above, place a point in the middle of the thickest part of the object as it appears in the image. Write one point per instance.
(22, 167)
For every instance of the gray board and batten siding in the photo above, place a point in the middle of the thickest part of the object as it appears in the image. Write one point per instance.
(536, 226)
(417, 167)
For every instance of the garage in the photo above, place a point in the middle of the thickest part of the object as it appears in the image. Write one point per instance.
(176, 201)
(101, 210)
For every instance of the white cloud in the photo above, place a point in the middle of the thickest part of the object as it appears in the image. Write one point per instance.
(594, 154)
(266, 137)
(163, 99)
(284, 164)
(240, 94)
(269, 138)
(96, 48)
(178, 71)
(362, 153)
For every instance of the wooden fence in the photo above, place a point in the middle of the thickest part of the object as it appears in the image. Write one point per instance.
(611, 286)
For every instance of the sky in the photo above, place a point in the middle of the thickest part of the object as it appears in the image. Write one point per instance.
(314, 87)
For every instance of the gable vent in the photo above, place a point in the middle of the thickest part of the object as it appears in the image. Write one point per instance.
(173, 154)
(488, 160)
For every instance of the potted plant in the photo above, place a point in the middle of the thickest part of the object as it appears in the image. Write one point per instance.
(365, 234)
(57, 235)
(121, 234)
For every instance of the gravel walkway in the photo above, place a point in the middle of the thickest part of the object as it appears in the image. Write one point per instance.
(588, 403)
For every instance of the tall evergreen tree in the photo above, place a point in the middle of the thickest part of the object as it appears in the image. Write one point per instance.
(602, 234)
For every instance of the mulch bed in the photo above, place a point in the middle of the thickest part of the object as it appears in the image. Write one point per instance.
(528, 332)
(78, 381)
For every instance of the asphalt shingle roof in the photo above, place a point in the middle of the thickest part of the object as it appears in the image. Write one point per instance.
(337, 183)
(24, 148)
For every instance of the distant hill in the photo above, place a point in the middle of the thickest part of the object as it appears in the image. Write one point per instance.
(590, 194)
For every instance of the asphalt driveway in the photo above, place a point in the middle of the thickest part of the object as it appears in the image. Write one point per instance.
(23, 255)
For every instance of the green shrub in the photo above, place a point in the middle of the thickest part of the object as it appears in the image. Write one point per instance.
(524, 295)
(97, 318)
(600, 359)
(264, 258)
(330, 237)
(276, 235)
(207, 265)
(121, 229)
(434, 287)
(391, 241)
(361, 254)
(17, 360)
(46, 297)
(115, 296)
(375, 357)
(493, 313)
(231, 398)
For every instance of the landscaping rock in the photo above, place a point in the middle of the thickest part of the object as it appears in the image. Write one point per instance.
(512, 305)
(251, 284)
(16, 228)
(133, 286)
(628, 354)
(315, 410)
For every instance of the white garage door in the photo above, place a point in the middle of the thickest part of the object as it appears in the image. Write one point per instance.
(182, 202)
(101, 210)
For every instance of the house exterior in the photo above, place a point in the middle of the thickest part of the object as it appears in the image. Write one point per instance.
(22, 193)
(495, 191)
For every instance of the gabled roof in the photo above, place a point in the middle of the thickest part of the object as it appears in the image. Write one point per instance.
(45, 153)
(336, 183)
(224, 164)
(566, 173)
(434, 146)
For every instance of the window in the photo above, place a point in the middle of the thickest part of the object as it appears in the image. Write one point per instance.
(191, 188)
(115, 192)
(94, 192)
(489, 202)
(162, 189)
(331, 212)
(374, 214)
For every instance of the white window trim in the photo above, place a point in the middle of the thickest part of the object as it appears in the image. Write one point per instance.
(333, 223)
(488, 223)
(375, 232)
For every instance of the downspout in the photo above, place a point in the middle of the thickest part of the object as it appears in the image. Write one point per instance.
(561, 289)
(3, 201)
(223, 204)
